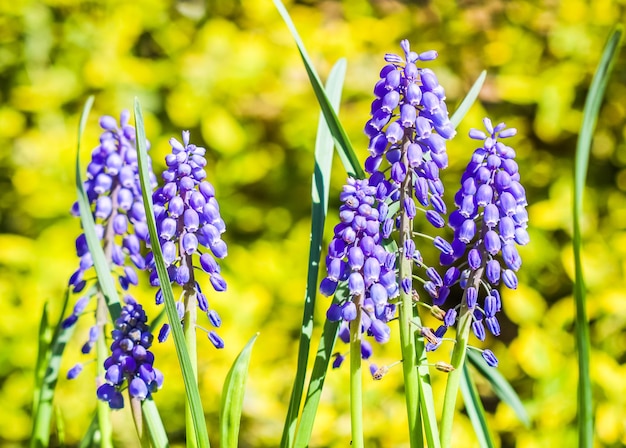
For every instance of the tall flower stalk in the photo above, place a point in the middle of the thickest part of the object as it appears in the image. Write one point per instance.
(376, 250)
(490, 221)
(113, 190)
(407, 131)
(190, 228)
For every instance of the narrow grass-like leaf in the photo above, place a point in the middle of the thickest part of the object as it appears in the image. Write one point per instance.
(318, 374)
(469, 100)
(191, 387)
(60, 426)
(320, 187)
(427, 401)
(500, 386)
(475, 410)
(49, 372)
(88, 439)
(232, 397)
(153, 422)
(583, 148)
(45, 338)
(344, 147)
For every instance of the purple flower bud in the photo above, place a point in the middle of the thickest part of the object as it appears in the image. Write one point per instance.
(355, 258)
(380, 331)
(379, 294)
(189, 243)
(356, 284)
(218, 283)
(493, 325)
(217, 341)
(471, 296)
(479, 330)
(491, 215)
(366, 349)
(338, 360)
(219, 248)
(521, 236)
(183, 274)
(451, 276)
(334, 313)
(467, 231)
(328, 287)
(443, 245)
(490, 358)
(450, 317)
(507, 203)
(164, 333)
(394, 132)
(492, 242)
(474, 259)
(348, 311)
(413, 95)
(408, 114)
(74, 371)
(434, 276)
(414, 155)
(511, 256)
(484, 195)
(169, 252)
(104, 206)
(493, 271)
(215, 318)
(509, 278)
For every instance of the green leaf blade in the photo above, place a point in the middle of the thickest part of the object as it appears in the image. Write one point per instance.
(344, 147)
(475, 410)
(583, 150)
(232, 397)
(47, 377)
(469, 100)
(320, 188)
(191, 387)
(500, 386)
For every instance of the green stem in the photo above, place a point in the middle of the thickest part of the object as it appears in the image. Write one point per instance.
(458, 358)
(356, 378)
(103, 410)
(135, 407)
(189, 330)
(407, 331)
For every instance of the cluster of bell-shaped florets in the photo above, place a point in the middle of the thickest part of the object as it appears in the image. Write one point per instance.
(114, 191)
(356, 256)
(189, 225)
(490, 221)
(131, 363)
(408, 129)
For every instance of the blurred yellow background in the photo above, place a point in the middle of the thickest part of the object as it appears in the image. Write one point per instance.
(228, 71)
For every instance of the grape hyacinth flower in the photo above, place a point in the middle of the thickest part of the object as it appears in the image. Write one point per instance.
(356, 255)
(490, 221)
(114, 193)
(188, 221)
(408, 132)
(130, 363)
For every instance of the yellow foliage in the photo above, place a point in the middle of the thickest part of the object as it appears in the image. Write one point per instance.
(229, 72)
